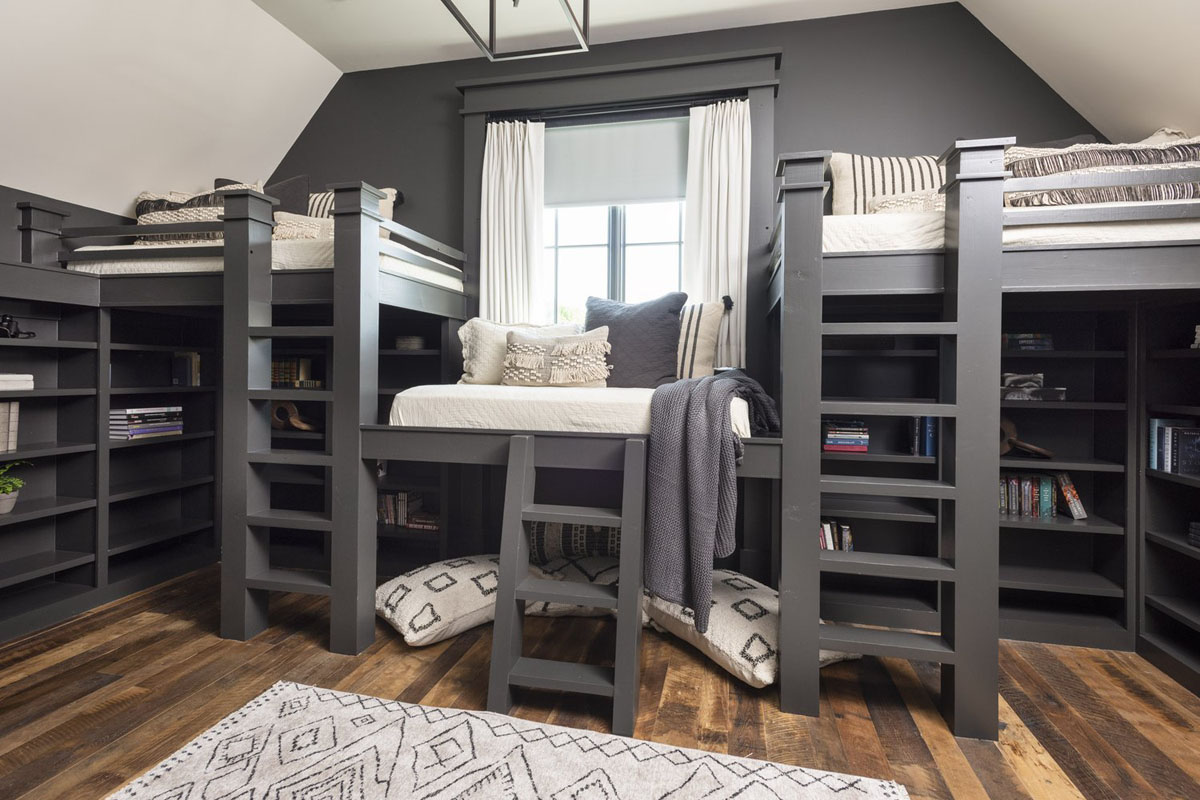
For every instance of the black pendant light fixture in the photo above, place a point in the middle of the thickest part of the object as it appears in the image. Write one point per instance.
(488, 46)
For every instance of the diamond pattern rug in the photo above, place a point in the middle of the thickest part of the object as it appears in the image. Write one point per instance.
(296, 742)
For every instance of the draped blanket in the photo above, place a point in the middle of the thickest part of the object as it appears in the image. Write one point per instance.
(691, 489)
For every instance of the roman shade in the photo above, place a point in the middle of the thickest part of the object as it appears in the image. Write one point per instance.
(641, 161)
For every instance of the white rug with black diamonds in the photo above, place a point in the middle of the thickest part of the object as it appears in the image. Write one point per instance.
(298, 742)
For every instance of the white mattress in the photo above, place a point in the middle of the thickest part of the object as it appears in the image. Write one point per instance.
(923, 230)
(286, 254)
(536, 408)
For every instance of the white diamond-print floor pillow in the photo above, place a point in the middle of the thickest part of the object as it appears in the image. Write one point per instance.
(440, 600)
(743, 628)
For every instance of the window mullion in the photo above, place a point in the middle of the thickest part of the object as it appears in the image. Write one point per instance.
(616, 252)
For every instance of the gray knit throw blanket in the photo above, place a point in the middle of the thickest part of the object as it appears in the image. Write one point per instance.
(691, 484)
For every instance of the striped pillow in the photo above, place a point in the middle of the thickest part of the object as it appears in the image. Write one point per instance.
(699, 328)
(320, 204)
(857, 179)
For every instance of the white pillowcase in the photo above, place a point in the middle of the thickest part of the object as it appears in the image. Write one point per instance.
(857, 179)
(484, 345)
(743, 628)
(699, 329)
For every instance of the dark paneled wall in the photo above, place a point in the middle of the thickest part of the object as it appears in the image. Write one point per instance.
(895, 82)
(10, 237)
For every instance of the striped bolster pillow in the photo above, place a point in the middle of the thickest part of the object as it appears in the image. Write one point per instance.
(320, 204)
(857, 179)
(699, 327)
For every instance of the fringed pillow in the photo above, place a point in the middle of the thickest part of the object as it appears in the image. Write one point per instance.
(484, 343)
(579, 361)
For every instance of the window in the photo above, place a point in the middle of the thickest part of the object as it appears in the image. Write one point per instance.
(630, 252)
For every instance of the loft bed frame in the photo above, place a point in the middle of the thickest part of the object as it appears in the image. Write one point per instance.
(970, 275)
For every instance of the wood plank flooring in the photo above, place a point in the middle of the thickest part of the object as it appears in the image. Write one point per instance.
(89, 704)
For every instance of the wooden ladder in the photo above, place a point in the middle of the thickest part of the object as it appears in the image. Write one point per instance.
(509, 667)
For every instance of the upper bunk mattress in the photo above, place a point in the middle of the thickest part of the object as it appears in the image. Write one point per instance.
(286, 254)
(536, 408)
(923, 230)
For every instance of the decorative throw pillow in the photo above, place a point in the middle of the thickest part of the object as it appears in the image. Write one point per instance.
(856, 179)
(598, 570)
(908, 203)
(292, 193)
(320, 204)
(297, 226)
(743, 628)
(699, 329)
(559, 361)
(1162, 135)
(485, 342)
(550, 541)
(176, 207)
(644, 338)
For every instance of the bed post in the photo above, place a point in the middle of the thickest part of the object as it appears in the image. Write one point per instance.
(245, 426)
(41, 231)
(801, 192)
(969, 535)
(355, 386)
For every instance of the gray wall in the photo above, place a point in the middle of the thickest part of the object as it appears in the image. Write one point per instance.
(902, 82)
(10, 218)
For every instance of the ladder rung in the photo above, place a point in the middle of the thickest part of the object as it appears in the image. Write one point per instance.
(570, 592)
(578, 515)
(886, 565)
(889, 328)
(288, 518)
(565, 676)
(887, 487)
(291, 580)
(291, 331)
(877, 642)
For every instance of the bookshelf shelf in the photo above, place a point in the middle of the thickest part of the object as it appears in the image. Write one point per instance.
(1185, 610)
(119, 493)
(1176, 352)
(1064, 354)
(1064, 464)
(886, 565)
(121, 444)
(1062, 405)
(132, 390)
(34, 394)
(34, 450)
(145, 347)
(1171, 410)
(154, 533)
(39, 565)
(300, 395)
(412, 353)
(1062, 524)
(1174, 541)
(880, 458)
(1054, 579)
(1183, 480)
(893, 509)
(43, 507)
(879, 353)
(47, 344)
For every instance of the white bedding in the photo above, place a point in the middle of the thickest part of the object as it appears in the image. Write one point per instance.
(536, 408)
(286, 254)
(857, 233)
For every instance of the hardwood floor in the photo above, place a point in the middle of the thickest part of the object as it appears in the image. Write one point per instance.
(89, 704)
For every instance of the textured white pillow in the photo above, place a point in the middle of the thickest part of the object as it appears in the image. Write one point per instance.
(320, 204)
(699, 329)
(743, 628)
(1164, 135)
(856, 179)
(484, 345)
(908, 203)
(298, 226)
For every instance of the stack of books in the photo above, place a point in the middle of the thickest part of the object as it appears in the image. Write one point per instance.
(836, 535)
(1027, 341)
(845, 436)
(1196, 339)
(397, 508)
(410, 342)
(1194, 534)
(293, 373)
(424, 521)
(1174, 446)
(10, 410)
(185, 369)
(924, 436)
(1029, 386)
(1039, 496)
(145, 423)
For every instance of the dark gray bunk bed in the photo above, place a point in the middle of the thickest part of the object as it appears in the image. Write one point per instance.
(943, 578)
(78, 538)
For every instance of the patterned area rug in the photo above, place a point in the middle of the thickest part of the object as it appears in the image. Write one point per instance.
(296, 742)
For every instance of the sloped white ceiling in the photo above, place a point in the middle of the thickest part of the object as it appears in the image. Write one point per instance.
(102, 100)
(372, 34)
(1128, 66)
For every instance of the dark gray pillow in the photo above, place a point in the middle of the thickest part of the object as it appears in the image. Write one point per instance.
(644, 338)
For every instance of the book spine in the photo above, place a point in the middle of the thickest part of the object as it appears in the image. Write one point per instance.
(1046, 497)
(1071, 496)
(1168, 435)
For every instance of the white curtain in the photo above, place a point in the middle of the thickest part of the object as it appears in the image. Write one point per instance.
(716, 231)
(511, 286)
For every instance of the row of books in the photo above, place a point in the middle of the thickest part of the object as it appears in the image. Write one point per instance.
(1027, 341)
(1039, 496)
(1196, 339)
(845, 436)
(400, 508)
(1174, 446)
(145, 423)
(293, 373)
(836, 535)
(185, 369)
(10, 411)
(1029, 386)
(1193, 534)
(923, 441)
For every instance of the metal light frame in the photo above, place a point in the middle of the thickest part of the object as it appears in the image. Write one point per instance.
(488, 46)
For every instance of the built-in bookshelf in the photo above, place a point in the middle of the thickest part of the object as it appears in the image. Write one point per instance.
(1169, 606)
(1067, 580)
(100, 518)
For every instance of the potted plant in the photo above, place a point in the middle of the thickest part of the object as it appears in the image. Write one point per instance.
(10, 486)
